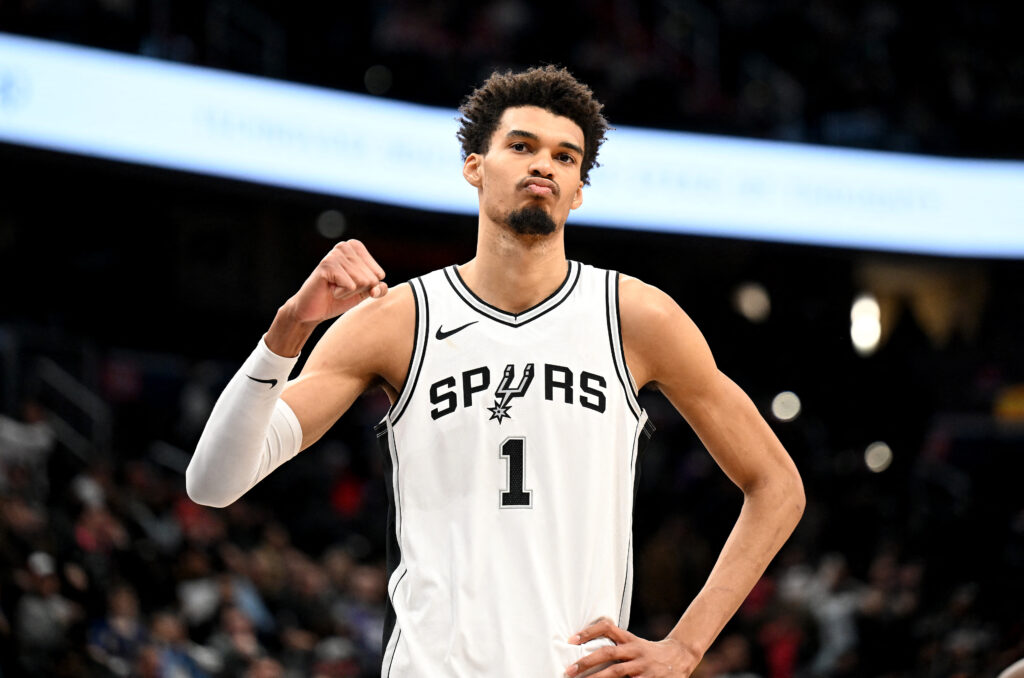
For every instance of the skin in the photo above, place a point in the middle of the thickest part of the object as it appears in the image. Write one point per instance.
(371, 342)
(1015, 670)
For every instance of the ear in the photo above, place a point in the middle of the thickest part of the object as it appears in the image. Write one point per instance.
(472, 169)
(577, 199)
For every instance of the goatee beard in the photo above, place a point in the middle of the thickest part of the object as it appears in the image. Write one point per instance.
(531, 221)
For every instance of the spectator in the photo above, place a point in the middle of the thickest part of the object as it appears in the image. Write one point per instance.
(25, 446)
(115, 640)
(235, 642)
(44, 618)
(172, 655)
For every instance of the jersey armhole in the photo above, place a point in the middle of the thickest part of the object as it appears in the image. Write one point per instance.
(614, 323)
(419, 349)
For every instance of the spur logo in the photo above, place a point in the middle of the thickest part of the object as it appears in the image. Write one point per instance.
(505, 392)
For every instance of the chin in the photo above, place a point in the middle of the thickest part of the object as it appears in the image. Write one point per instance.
(531, 220)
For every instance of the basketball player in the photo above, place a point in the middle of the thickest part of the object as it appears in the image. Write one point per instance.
(513, 435)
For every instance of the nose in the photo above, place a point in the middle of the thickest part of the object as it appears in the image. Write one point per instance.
(542, 165)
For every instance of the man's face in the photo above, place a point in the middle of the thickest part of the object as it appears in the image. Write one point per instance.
(529, 179)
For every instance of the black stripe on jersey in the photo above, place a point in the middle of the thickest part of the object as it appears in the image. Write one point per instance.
(615, 331)
(622, 347)
(393, 654)
(452, 273)
(393, 551)
(555, 299)
(419, 346)
(643, 438)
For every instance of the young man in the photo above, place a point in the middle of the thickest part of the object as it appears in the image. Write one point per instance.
(514, 430)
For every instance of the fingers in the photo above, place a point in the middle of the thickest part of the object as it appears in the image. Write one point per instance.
(346, 291)
(620, 670)
(350, 270)
(344, 285)
(371, 263)
(613, 653)
(602, 627)
(375, 292)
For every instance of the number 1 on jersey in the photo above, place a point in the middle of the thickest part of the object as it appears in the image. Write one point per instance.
(515, 496)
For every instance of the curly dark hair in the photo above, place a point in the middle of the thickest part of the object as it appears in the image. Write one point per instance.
(549, 87)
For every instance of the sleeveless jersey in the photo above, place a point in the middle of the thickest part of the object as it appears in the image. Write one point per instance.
(511, 456)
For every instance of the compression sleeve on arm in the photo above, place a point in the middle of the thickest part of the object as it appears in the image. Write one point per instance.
(251, 432)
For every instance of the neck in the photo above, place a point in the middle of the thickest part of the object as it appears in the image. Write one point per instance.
(515, 272)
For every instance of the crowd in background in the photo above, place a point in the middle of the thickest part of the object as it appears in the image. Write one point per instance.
(110, 570)
(106, 567)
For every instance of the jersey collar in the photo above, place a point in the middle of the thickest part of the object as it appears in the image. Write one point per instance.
(467, 295)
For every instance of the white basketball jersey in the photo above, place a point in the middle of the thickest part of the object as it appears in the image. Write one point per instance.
(512, 452)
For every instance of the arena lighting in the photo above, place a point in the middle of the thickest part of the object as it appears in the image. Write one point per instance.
(751, 300)
(141, 110)
(878, 457)
(331, 224)
(377, 79)
(786, 406)
(865, 324)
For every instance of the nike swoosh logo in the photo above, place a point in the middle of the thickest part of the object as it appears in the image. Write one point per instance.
(441, 334)
(272, 382)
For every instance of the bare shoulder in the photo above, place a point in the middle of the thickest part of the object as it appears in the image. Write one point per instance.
(641, 304)
(660, 340)
(393, 308)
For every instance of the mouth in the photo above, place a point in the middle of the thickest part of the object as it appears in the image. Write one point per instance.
(539, 187)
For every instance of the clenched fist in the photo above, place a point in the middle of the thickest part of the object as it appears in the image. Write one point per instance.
(342, 279)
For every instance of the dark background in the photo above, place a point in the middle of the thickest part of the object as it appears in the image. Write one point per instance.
(148, 288)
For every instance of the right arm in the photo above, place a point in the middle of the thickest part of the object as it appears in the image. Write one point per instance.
(259, 421)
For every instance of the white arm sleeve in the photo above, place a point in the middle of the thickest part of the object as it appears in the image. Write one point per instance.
(251, 432)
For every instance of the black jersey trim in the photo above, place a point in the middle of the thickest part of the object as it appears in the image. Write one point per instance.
(626, 581)
(553, 300)
(419, 352)
(462, 284)
(394, 590)
(389, 630)
(393, 653)
(622, 347)
(615, 335)
(393, 548)
(643, 437)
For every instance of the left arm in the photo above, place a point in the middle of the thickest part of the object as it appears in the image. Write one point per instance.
(664, 348)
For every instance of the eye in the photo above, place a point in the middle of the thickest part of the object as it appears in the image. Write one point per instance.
(518, 146)
(567, 158)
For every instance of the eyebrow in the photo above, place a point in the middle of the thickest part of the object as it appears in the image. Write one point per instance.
(530, 135)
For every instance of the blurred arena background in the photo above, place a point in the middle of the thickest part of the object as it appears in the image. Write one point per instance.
(130, 294)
